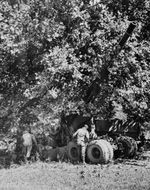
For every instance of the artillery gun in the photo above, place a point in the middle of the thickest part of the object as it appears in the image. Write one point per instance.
(112, 140)
(100, 150)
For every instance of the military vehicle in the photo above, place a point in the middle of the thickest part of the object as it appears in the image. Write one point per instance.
(115, 138)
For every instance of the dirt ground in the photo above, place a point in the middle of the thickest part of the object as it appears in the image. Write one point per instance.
(119, 175)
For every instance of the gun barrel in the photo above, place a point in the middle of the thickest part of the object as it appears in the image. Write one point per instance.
(127, 34)
(94, 88)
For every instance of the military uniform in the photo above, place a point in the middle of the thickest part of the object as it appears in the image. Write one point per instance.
(82, 138)
(28, 142)
(93, 135)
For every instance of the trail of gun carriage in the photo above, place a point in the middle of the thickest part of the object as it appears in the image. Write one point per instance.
(74, 94)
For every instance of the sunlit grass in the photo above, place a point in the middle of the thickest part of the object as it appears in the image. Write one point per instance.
(66, 176)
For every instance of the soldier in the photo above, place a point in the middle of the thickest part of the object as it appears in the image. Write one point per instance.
(82, 135)
(28, 141)
(93, 135)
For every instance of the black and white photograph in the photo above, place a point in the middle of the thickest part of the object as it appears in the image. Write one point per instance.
(74, 94)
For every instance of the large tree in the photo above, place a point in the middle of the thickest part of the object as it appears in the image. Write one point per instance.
(52, 51)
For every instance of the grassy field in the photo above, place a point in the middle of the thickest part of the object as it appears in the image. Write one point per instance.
(65, 176)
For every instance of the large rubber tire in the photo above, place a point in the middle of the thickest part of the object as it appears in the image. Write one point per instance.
(134, 147)
(107, 154)
(110, 149)
(129, 146)
(97, 152)
(73, 152)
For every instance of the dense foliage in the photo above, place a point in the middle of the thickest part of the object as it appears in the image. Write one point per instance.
(52, 51)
